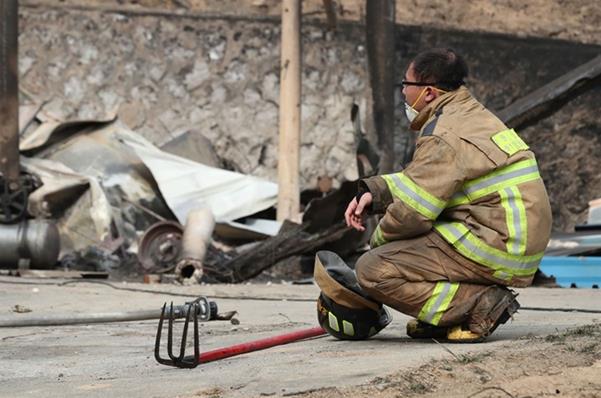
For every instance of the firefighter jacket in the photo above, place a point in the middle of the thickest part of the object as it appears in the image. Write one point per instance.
(476, 183)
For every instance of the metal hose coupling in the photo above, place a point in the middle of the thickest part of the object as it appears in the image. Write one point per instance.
(205, 308)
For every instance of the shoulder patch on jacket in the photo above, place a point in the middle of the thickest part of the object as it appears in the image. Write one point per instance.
(429, 128)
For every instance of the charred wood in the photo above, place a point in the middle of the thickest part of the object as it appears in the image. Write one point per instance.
(322, 226)
(552, 96)
(379, 37)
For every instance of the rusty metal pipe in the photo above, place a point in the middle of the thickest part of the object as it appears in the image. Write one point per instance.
(33, 241)
(198, 231)
(9, 93)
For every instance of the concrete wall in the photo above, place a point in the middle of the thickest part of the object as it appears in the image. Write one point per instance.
(220, 77)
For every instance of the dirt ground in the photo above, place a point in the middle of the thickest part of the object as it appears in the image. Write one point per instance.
(565, 364)
(576, 20)
(537, 354)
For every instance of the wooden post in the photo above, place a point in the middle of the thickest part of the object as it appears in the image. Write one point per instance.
(290, 103)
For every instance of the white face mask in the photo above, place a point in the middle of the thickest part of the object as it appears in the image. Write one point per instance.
(410, 112)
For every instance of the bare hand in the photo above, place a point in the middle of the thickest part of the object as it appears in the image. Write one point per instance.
(355, 213)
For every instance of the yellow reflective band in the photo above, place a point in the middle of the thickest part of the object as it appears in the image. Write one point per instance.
(515, 215)
(438, 302)
(333, 322)
(347, 328)
(403, 188)
(476, 250)
(458, 199)
(377, 239)
(502, 275)
(509, 142)
(514, 174)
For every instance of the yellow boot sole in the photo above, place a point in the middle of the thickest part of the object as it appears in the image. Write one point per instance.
(421, 330)
(458, 335)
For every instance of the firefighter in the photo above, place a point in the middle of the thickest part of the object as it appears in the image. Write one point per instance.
(467, 218)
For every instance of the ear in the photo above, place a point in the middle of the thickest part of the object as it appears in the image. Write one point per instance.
(431, 94)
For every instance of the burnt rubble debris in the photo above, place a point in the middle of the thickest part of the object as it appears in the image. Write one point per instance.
(92, 258)
(103, 186)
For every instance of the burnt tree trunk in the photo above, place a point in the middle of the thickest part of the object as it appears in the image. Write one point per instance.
(379, 31)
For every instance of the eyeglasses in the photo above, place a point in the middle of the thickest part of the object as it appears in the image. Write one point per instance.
(409, 83)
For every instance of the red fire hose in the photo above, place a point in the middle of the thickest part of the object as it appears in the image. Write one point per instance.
(261, 344)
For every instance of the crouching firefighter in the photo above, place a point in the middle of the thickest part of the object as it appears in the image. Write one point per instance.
(466, 219)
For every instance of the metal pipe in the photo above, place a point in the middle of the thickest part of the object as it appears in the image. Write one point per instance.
(79, 319)
(35, 241)
(9, 93)
(198, 231)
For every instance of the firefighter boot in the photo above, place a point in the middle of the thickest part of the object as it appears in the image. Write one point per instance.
(420, 330)
(493, 308)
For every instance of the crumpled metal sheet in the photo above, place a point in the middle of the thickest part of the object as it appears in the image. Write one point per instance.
(248, 229)
(86, 166)
(187, 185)
(78, 203)
(83, 166)
(98, 152)
(28, 113)
(48, 131)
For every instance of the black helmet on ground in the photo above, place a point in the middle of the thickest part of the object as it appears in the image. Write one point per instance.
(343, 309)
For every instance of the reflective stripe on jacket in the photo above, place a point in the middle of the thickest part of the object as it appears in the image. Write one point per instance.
(476, 183)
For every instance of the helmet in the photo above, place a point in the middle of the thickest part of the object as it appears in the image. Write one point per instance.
(343, 309)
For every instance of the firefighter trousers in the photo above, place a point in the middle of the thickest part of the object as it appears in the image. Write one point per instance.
(425, 278)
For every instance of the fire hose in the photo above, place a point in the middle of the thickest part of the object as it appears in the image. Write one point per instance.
(178, 311)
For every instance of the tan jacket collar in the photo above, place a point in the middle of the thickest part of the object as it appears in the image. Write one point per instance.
(459, 95)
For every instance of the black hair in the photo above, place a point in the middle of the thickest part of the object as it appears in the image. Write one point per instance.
(442, 67)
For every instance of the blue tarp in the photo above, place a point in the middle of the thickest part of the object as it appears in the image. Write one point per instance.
(581, 271)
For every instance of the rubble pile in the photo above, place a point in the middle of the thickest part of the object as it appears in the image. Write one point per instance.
(121, 205)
